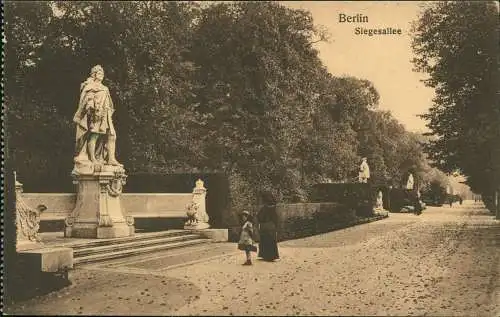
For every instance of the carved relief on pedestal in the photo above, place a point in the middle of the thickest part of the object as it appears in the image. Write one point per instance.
(129, 220)
(114, 186)
(103, 218)
(69, 221)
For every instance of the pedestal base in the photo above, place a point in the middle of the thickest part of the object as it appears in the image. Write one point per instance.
(198, 226)
(216, 235)
(28, 245)
(98, 212)
(381, 212)
(96, 232)
(47, 259)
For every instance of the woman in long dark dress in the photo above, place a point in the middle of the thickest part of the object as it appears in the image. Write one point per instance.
(268, 223)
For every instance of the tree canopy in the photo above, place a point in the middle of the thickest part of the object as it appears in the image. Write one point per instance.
(456, 44)
(232, 87)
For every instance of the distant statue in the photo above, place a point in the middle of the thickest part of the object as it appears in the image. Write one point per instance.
(379, 205)
(410, 182)
(364, 171)
(95, 132)
(448, 189)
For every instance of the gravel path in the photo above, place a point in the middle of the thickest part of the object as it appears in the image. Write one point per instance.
(443, 263)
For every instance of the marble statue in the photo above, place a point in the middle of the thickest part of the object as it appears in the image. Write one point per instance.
(196, 209)
(95, 132)
(410, 182)
(364, 171)
(379, 205)
(98, 212)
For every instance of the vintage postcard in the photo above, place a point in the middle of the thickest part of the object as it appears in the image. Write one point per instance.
(325, 158)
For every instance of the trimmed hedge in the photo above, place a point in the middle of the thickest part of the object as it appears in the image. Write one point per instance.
(302, 220)
(306, 219)
(358, 196)
(362, 197)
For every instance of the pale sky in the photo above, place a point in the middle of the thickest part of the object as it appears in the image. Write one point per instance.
(385, 60)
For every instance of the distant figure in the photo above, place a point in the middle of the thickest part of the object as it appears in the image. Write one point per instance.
(379, 204)
(410, 182)
(246, 242)
(448, 190)
(364, 171)
(461, 200)
(268, 224)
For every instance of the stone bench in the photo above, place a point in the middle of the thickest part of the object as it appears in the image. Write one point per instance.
(155, 205)
(149, 209)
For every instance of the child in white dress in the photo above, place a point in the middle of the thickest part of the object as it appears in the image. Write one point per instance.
(246, 242)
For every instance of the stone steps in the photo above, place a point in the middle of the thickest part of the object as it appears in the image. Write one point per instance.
(84, 251)
(115, 241)
(110, 249)
(164, 260)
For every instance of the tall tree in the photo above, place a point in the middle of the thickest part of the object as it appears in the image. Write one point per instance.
(256, 75)
(141, 45)
(456, 44)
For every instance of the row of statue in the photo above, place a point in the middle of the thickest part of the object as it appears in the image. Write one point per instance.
(364, 175)
(96, 135)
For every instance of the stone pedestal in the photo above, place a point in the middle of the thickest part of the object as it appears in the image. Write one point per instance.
(196, 210)
(196, 226)
(216, 235)
(98, 211)
(48, 260)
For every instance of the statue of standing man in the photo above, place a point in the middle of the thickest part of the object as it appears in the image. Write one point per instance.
(410, 182)
(95, 132)
(364, 171)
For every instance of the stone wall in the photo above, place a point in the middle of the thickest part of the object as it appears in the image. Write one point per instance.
(159, 210)
(307, 219)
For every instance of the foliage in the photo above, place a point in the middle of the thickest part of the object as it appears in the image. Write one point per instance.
(256, 71)
(145, 72)
(456, 43)
(230, 87)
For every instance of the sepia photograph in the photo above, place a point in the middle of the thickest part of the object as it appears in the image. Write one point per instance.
(251, 158)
